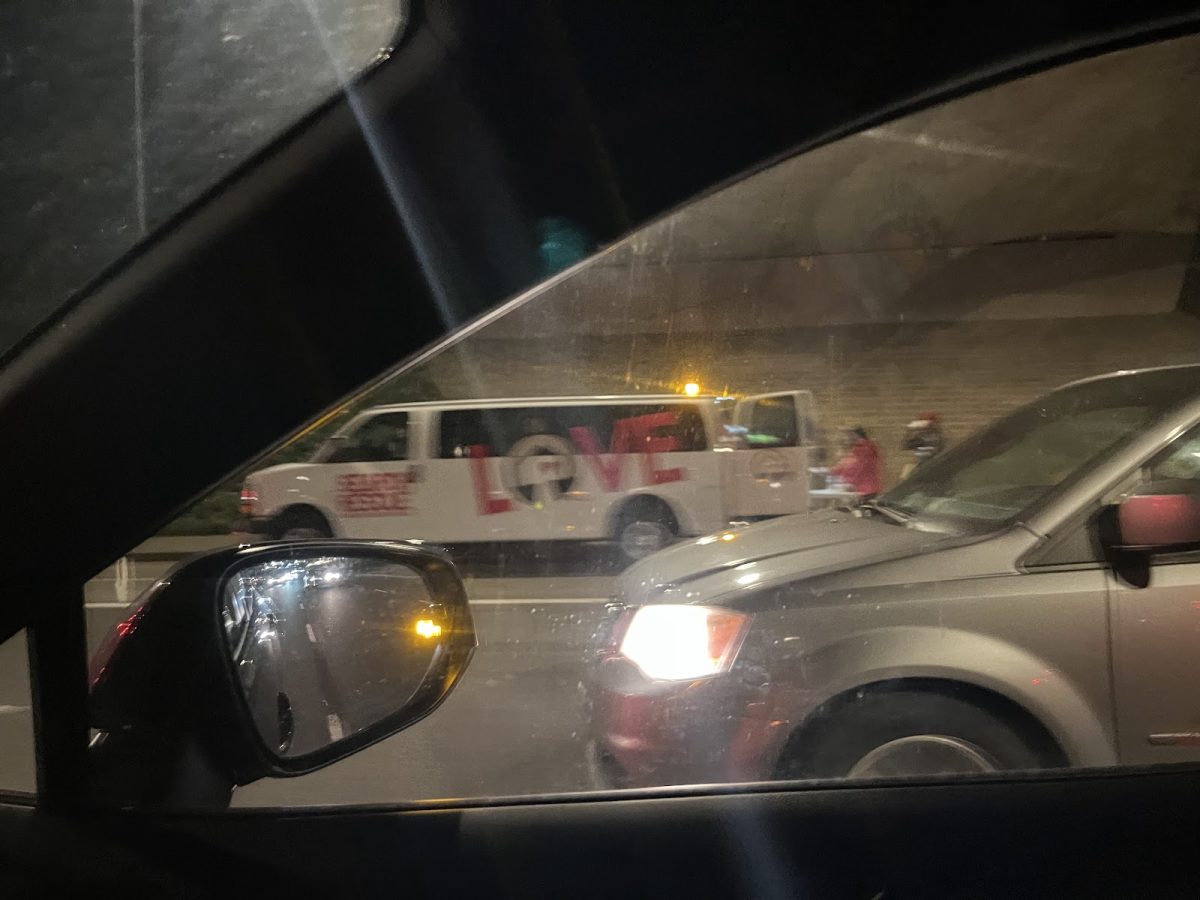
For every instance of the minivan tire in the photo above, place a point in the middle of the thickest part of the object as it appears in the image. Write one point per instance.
(903, 733)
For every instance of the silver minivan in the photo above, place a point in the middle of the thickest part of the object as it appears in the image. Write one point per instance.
(1028, 599)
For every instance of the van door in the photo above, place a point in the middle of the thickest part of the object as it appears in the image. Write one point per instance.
(766, 472)
(367, 478)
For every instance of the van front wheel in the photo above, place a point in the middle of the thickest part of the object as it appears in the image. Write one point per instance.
(645, 526)
(303, 525)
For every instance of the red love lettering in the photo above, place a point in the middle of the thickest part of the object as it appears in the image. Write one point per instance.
(636, 435)
(608, 470)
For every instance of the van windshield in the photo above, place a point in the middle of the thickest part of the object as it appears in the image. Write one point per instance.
(1003, 472)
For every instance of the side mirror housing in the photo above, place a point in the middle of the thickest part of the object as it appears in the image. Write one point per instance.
(274, 660)
(1156, 522)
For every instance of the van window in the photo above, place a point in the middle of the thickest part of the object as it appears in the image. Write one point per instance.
(687, 429)
(381, 438)
(494, 430)
(773, 422)
(610, 429)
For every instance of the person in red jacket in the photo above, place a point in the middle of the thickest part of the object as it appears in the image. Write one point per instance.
(862, 466)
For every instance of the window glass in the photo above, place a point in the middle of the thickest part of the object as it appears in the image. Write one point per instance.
(619, 428)
(174, 97)
(1177, 468)
(381, 438)
(1180, 464)
(704, 588)
(1078, 546)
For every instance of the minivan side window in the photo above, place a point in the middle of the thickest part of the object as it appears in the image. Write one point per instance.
(1175, 470)
(1179, 463)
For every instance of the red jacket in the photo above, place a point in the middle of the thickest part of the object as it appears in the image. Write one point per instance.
(862, 467)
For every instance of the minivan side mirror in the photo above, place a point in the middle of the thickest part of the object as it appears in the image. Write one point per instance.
(1156, 522)
(272, 660)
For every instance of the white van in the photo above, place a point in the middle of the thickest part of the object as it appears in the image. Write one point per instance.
(638, 470)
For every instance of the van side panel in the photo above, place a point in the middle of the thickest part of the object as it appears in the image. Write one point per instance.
(520, 470)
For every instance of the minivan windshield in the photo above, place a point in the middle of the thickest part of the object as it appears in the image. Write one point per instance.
(1003, 472)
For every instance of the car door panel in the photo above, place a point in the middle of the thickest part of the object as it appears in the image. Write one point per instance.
(1156, 664)
(990, 839)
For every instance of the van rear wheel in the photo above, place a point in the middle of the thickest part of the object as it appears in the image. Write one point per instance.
(303, 525)
(645, 526)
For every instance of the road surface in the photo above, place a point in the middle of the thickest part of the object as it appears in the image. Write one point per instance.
(514, 725)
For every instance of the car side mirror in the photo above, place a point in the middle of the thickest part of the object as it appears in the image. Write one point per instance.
(1156, 522)
(275, 660)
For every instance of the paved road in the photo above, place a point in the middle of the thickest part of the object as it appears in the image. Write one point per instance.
(514, 725)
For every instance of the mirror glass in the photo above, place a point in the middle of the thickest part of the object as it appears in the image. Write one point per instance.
(327, 646)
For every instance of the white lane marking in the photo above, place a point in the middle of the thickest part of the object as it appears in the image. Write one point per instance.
(312, 638)
(105, 605)
(7, 709)
(335, 727)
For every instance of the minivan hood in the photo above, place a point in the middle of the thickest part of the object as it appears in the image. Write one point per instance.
(792, 547)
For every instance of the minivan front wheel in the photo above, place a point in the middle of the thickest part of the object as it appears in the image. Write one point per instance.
(916, 754)
(888, 734)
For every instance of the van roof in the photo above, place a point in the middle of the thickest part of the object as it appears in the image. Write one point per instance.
(493, 402)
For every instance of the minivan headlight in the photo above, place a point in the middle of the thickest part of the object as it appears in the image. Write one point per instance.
(676, 642)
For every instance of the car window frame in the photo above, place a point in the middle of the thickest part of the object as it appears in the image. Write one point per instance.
(58, 648)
